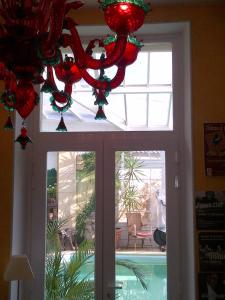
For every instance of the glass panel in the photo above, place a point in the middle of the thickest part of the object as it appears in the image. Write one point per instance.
(116, 107)
(160, 68)
(155, 66)
(159, 109)
(140, 225)
(136, 110)
(70, 228)
(81, 86)
(140, 66)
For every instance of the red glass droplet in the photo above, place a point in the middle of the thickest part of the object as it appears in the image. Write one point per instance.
(26, 98)
(23, 138)
(68, 72)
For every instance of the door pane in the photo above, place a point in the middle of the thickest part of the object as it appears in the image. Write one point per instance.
(70, 228)
(140, 225)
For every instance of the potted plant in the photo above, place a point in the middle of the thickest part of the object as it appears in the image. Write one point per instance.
(127, 195)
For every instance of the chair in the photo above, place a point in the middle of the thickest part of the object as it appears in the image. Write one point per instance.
(137, 230)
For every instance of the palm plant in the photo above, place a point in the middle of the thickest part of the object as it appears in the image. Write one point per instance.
(128, 173)
(67, 279)
(52, 235)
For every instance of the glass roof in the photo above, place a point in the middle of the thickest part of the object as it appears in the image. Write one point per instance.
(142, 102)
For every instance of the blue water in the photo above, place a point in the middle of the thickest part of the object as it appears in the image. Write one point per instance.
(154, 268)
(155, 271)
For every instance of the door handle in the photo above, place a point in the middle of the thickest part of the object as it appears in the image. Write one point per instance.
(116, 286)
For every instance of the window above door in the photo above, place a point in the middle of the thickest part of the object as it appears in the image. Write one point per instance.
(143, 102)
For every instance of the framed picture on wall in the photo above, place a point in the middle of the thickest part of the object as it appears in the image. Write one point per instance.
(210, 210)
(214, 148)
(212, 251)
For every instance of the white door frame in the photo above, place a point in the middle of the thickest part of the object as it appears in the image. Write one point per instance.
(105, 146)
(27, 225)
(142, 142)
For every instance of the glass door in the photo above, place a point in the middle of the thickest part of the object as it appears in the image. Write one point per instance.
(70, 225)
(139, 185)
(140, 225)
(66, 220)
(103, 206)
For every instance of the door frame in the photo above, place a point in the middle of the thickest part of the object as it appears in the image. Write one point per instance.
(105, 145)
(138, 142)
(26, 162)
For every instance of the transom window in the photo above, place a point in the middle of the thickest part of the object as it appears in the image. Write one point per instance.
(143, 102)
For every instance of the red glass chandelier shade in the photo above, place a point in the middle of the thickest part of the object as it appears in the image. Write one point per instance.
(32, 36)
(130, 53)
(124, 17)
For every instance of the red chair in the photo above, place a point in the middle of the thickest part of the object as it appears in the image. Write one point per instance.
(137, 230)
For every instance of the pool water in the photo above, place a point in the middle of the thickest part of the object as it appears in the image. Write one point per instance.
(155, 271)
(154, 268)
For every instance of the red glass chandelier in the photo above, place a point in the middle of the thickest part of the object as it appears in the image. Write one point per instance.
(32, 36)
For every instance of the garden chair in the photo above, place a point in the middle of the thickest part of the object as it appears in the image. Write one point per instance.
(137, 230)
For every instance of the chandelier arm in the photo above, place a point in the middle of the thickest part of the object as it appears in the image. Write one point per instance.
(45, 13)
(4, 4)
(2, 70)
(11, 4)
(4, 15)
(43, 3)
(91, 46)
(2, 31)
(7, 4)
(86, 61)
(73, 5)
(105, 85)
(55, 27)
(28, 3)
(68, 89)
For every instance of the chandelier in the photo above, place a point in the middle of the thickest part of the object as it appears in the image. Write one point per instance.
(32, 36)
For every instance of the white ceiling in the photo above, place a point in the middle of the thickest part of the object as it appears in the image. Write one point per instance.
(92, 3)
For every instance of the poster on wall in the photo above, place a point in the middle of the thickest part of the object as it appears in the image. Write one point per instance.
(212, 251)
(211, 286)
(214, 148)
(210, 210)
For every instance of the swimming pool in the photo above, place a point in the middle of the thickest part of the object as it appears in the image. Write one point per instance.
(155, 269)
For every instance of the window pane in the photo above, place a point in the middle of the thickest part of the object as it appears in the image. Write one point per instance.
(116, 107)
(140, 224)
(141, 102)
(70, 234)
(136, 110)
(81, 85)
(160, 68)
(159, 110)
(137, 72)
